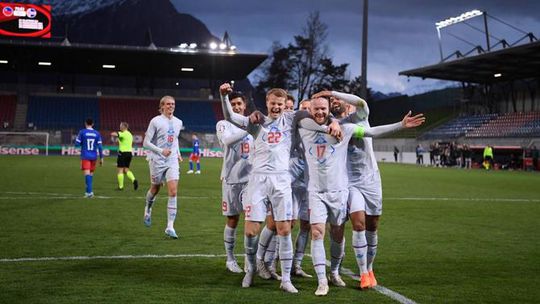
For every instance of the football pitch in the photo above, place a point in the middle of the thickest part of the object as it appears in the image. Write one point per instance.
(446, 236)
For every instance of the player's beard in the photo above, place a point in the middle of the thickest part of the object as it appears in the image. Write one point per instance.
(338, 110)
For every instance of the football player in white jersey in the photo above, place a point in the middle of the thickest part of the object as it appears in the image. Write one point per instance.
(269, 180)
(365, 189)
(161, 139)
(328, 185)
(237, 145)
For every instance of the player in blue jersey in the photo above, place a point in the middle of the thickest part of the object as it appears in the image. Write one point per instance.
(90, 142)
(195, 155)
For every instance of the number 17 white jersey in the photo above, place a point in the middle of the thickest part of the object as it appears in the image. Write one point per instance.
(326, 159)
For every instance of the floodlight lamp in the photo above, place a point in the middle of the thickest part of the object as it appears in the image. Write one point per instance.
(45, 63)
(3, 61)
(497, 75)
(109, 66)
(233, 47)
(213, 45)
(187, 69)
(222, 46)
(192, 45)
(183, 45)
(458, 19)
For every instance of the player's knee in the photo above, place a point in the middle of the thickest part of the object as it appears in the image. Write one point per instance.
(232, 221)
(358, 226)
(284, 231)
(317, 233)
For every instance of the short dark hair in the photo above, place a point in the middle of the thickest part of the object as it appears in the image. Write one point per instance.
(290, 97)
(237, 94)
(89, 122)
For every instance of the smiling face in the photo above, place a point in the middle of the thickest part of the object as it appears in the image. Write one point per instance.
(319, 110)
(275, 105)
(166, 106)
(337, 106)
(238, 105)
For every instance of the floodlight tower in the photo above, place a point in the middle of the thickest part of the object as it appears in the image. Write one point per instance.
(454, 20)
(363, 79)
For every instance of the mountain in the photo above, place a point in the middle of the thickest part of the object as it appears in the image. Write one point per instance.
(126, 22)
(76, 7)
(380, 96)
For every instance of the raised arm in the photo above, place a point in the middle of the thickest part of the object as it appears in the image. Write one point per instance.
(226, 136)
(237, 119)
(408, 121)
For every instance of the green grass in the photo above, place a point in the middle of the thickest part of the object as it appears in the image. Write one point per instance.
(446, 236)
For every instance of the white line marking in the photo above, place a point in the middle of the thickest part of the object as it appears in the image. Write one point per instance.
(112, 257)
(383, 290)
(513, 200)
(50, 196)
(72, 196)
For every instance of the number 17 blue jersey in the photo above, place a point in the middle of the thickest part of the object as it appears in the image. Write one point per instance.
(90, 142)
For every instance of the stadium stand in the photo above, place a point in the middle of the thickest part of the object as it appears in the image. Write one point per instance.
(509, 124)
(196, 115)
(61, 112)
(136, 112)
(8, 105)
(458, 127)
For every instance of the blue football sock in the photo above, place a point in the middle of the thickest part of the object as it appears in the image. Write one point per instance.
(88, 181)
(198, 166)
(191, 166)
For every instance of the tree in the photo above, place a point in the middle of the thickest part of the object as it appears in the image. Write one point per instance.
(304, 65)
(355, 87)
(306, 54)
(330, 77)
(276, 70)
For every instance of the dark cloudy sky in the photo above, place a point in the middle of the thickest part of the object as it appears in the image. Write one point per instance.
(402, 33)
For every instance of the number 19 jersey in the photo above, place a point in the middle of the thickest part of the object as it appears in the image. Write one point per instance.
(236, 155)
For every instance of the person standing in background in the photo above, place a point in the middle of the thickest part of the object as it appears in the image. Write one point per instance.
(125, 144)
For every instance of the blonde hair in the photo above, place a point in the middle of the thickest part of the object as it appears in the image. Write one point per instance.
(124, 124)
(277, 92)
(162, 102)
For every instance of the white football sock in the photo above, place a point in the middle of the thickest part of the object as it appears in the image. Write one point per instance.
(318, 256)
(337, 252)
(264, 239)
(250, 248)
(301, 244)
(171, 212)
(229, 239)
(372, 240)
(285, 256)
(150, 199)
(359, 244)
